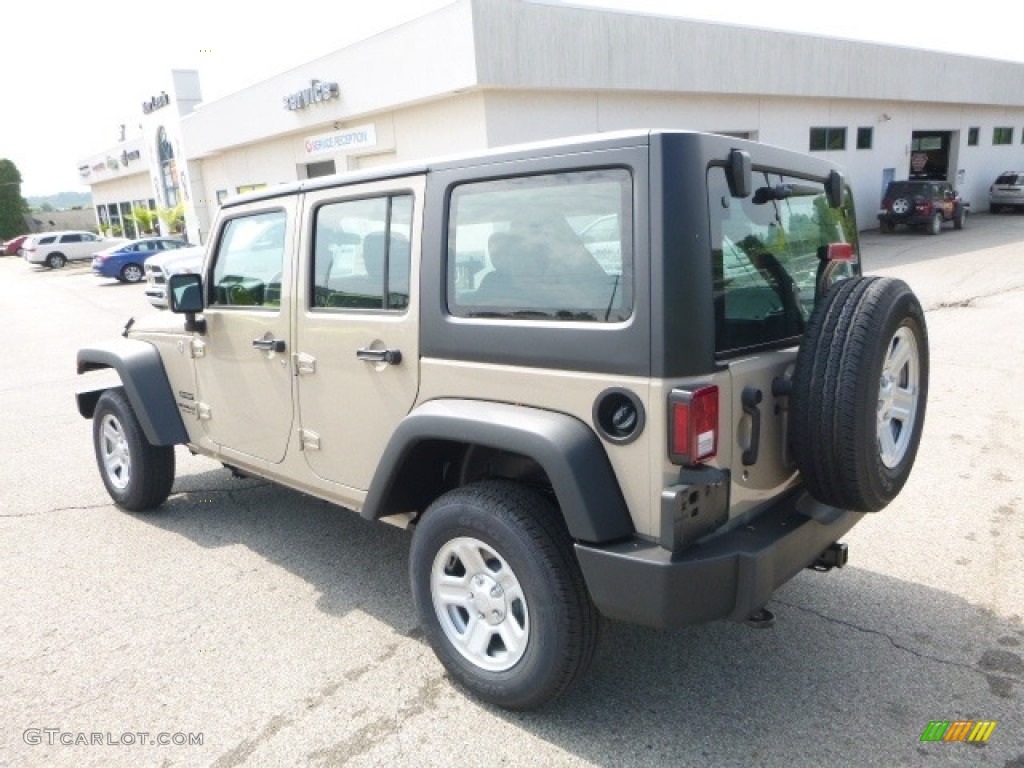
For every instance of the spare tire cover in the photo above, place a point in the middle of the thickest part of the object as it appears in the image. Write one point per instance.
(859, 392)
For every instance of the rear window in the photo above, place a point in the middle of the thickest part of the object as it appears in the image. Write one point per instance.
(1011, 179)
(767, 251)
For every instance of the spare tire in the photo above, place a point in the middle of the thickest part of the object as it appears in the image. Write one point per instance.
(859, 392)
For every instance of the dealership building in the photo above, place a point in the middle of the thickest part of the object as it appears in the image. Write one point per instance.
(484, 73)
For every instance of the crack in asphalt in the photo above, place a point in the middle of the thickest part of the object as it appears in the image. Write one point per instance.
(58, 509)
(892, 640)
(84, 507)
(969, 301)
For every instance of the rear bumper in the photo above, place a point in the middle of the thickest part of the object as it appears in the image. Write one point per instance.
(727, 577)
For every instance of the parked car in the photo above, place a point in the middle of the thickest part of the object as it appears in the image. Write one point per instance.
(55, 249)
(13, 246)
(665, 449)
(1007, 191)
(125, 261)
(927, 204)
(163, 265)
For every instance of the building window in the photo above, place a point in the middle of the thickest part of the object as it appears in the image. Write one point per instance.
(1002, 136)
(823, 139)
(864, 137)
(972, 136)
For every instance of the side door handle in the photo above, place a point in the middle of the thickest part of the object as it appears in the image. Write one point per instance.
(269, 345)
(389, 356)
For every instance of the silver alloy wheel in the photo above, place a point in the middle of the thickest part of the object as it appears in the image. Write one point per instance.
(898, 395)
(132, 273)
(117, 460)
(480, 604)
(900, 206)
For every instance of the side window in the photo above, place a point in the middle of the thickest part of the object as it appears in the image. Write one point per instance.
(73, 238)
(249, 261)
(548, 247)
(47, 240)
(361, 254)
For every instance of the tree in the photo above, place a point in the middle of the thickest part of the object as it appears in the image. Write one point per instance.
(12, 205)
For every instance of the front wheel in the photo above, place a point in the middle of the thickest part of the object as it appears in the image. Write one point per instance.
(935, 225)
(960, 219)
(500, 595)
(138, 475)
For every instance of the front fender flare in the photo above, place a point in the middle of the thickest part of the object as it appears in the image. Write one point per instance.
(570, 453)
(145, 382)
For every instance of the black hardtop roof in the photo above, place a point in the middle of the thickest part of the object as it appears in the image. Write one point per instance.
(767, 156)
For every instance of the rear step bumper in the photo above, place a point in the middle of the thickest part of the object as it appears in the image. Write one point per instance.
(730, 576)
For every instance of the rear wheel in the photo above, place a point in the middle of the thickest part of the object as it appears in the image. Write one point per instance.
(56, 260)
(993, 208)
(935, 225)
(500, 594)
(859, 393)
(888, 226)
(131, 273)
(138, 475)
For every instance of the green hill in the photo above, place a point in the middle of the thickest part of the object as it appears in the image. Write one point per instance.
(61, 201)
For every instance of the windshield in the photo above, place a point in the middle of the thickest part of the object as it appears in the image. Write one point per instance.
(768, 252)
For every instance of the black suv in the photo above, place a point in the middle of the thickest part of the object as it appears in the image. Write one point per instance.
(922, 204)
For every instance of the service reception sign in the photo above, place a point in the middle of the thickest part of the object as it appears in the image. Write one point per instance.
(347, 140)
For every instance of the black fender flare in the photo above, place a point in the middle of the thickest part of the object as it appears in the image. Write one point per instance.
(145, 383)
(569, 451)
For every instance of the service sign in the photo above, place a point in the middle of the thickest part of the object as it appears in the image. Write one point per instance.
(346, 140)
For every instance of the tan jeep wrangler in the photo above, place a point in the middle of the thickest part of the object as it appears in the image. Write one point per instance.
(629, 375)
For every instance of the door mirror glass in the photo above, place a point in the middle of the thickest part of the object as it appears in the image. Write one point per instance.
(185, 293)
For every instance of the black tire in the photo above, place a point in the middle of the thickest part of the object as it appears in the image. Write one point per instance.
(507, 549)
(138, 475)
(56, 260)
(935, 225)
(993, 208)
(888, 226)
(132, 273)
(853, 447)
(960, 219)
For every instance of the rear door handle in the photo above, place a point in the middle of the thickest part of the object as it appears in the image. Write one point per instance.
(269, 345)
(389, 356)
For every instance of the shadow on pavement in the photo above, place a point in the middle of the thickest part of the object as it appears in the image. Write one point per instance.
(856, 667)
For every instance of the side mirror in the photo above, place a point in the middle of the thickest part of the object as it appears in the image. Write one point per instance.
(185, 296)
(740, 174)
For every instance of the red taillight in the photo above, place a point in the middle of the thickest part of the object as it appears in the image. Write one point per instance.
(694, 427)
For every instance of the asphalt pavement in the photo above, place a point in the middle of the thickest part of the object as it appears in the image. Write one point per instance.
(245, 624)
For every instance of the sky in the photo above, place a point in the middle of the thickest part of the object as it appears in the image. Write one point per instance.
(64, 94)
